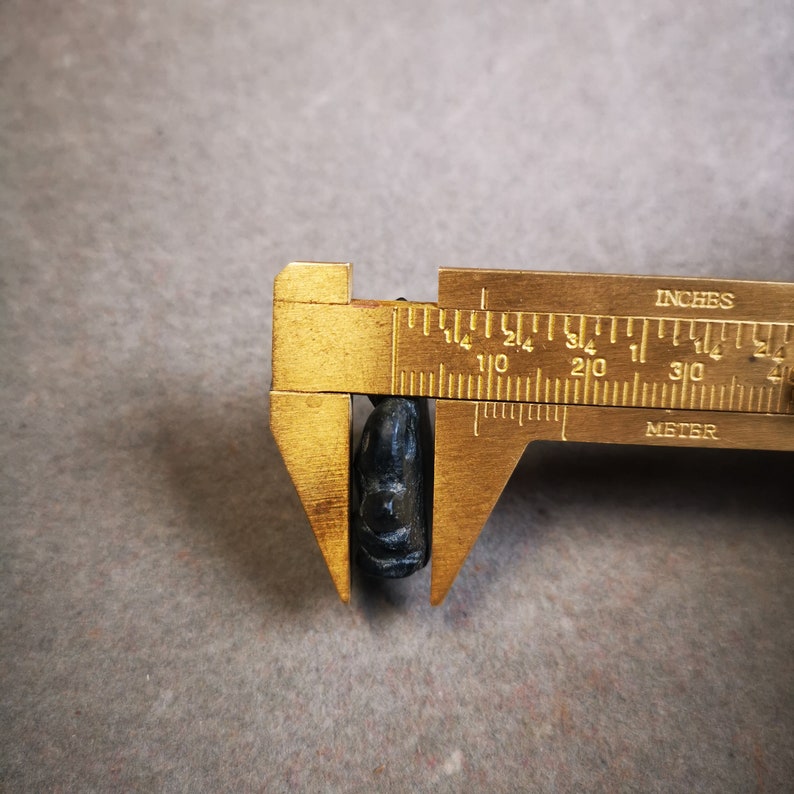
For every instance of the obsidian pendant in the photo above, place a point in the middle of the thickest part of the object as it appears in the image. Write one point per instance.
(391, 528)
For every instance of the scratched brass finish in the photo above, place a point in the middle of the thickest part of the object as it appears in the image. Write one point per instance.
(478, 444)
(313, 434)
(515, 356)
(518, 290)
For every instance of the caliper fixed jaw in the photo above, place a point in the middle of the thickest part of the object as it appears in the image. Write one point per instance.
(313, 428)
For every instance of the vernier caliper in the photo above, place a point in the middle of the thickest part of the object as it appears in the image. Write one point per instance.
(512, 357)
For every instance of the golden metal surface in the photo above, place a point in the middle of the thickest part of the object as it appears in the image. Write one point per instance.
(512, 357)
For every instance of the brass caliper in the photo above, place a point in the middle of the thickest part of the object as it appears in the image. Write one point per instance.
(512, 357)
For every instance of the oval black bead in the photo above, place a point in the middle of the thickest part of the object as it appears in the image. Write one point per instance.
(390, 525)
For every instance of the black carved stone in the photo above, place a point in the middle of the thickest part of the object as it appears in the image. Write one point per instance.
(390, 525)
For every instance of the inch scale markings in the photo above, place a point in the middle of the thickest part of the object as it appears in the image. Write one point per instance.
(645, 369)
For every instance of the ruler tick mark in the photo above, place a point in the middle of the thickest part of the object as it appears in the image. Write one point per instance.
(588, 370)
(644, 342)
(684, 382)
(394, 347)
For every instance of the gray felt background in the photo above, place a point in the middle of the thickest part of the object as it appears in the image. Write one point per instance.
(625, 622)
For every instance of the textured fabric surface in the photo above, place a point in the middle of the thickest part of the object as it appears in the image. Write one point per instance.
(625, 622)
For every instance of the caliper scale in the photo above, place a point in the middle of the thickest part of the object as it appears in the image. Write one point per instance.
(512, 357)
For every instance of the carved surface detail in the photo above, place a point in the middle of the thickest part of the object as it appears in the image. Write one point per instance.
(390, 527)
